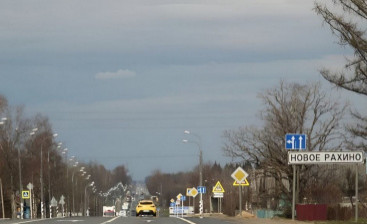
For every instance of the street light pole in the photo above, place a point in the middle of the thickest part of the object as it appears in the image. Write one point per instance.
(85, 196)
(65, 152)
(1, 183)
(72, 185)
(200, 166)
(49, 183)
(41, 182)
(20, 184)
(41, 177)
(72, 190)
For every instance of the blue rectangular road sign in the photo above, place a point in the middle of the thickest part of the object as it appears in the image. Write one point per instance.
(201, 189)
(183, 198)
(295, 141)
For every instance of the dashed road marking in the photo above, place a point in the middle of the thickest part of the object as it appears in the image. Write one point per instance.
(111, 220)
(185, 220)
(37, 220)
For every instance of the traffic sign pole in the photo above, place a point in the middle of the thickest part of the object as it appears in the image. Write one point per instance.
(30, 203)
(193, 203)
(201, 205)
(30, 188)
(240, 189)
(178, 207)
(240, 175)
(356, 186)
(294, 192)
(201, 190)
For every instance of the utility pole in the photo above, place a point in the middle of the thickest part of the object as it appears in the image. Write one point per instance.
(2, 198)
(41, 181)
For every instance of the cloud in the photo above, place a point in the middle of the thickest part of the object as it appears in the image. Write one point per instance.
(115, 75)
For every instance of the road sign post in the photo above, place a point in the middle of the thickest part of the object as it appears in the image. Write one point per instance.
(295, 142)
(194, 192)
(62, 203)
(183, 198)
(356, 187)
(239, 175)
(218, 191)
(294, 192)
(30, 188)
(52, 204)
(201, 190)
(25, 195)
(340, 157)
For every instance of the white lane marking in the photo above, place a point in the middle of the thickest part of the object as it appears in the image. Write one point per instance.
(111, 220)
(37, 220)
(185, 220)
(70, 220)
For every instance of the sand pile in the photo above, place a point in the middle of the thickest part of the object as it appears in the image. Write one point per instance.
(246, 215)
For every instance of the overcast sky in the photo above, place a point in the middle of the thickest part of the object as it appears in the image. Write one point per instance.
(121, 80)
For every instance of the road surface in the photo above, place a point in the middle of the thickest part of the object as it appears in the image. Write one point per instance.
(147, 220)
(115, 220)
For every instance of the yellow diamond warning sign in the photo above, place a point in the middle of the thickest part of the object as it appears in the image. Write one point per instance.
(194, 192)
(218, 188)
(239, 175)
(179, 196)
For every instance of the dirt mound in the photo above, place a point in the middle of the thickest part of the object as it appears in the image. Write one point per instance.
(246, 215)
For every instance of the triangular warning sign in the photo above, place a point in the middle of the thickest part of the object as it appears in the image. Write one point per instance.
(218, 188)
(243, 183)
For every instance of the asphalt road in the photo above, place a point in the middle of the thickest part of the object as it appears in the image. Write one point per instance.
(117, 220)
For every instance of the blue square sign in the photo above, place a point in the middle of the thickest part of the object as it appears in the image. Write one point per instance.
(295, 141)
(201, 189)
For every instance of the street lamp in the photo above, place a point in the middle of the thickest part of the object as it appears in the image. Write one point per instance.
(85, 196)
(72, 184)
(49, 179)
(200, 159)
(200, 165)
(3, 120)
(65, 153)
(1, 183)
(41, 171)
(34, 130)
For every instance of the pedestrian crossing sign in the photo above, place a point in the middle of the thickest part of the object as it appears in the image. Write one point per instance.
(25, 194)
(218, 188)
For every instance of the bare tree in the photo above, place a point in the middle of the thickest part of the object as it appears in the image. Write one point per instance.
(120, 174)
(348, 24)
(288, 108)
(347, 20)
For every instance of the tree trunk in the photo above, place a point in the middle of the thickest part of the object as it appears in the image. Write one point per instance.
(13, 206)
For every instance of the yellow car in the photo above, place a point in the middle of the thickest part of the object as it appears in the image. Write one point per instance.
(146, 207)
